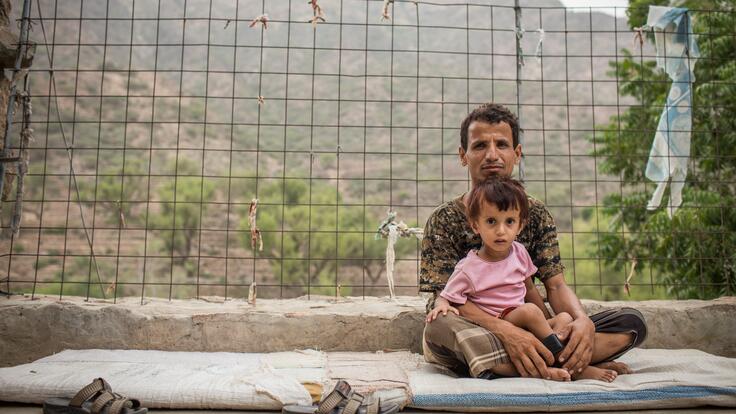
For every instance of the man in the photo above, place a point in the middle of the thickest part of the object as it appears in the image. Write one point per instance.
(474, 342)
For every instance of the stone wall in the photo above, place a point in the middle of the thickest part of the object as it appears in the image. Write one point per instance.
(32, 329)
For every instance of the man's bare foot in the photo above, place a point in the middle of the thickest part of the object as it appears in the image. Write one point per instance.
(591, 372)
(619, 367)
(558, 374)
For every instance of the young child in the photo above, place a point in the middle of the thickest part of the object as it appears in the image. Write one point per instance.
(497, 277)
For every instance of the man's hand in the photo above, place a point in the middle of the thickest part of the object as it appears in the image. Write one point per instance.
(579, 335)
(526, 352)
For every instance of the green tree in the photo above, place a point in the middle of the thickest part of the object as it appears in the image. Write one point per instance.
(175, 222)
(119, 196)
(122, 194)
(318, 240)
(694, 253)
(180, 216)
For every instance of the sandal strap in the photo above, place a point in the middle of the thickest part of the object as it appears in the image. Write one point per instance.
(89, 391)
(116, 402)
(340, 393)
(101, 401)
(373, 405)
(121, 403)
(353, 404)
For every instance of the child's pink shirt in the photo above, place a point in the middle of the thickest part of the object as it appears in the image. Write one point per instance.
(492, 286)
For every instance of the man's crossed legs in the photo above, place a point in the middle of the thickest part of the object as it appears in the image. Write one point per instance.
(470, 350)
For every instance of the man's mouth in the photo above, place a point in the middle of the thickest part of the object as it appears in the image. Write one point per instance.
(493, 167)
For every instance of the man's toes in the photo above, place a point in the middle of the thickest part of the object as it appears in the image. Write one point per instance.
(611, 375)
(619, 367)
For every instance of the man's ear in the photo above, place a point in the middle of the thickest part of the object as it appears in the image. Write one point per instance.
(518, 153)
(463, 158)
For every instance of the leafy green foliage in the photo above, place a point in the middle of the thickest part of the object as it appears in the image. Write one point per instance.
(695, 251)
(180, 216)
(121, 192)
(175, 221)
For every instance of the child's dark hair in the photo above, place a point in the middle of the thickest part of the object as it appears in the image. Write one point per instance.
(505, 192)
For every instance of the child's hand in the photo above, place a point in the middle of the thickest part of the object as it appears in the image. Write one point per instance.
(441, 306)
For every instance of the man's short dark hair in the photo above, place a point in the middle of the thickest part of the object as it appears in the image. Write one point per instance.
(502, 191)
(491, 113)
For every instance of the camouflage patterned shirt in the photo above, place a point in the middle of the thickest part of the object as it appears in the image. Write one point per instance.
(448, 237)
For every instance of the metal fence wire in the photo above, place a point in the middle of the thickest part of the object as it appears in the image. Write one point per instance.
(157, 124)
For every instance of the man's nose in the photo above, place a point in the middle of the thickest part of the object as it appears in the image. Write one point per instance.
(491, 152)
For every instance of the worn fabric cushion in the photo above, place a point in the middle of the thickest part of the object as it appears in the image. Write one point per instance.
(662, 379)
(222, 380)
(217, 380)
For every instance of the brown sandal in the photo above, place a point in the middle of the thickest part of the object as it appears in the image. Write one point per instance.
(343, 400)
(95, 398)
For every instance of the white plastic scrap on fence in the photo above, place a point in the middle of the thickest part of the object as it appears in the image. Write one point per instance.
(540, 45)
(538, 51)
(519, 51)
(677, 53)
(393, 235)
(392, 230)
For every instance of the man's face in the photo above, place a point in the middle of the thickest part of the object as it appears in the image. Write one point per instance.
(490, 150)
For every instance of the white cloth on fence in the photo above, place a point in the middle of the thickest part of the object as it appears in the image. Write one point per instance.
(392, 230)
(677, 52)
(393, 235)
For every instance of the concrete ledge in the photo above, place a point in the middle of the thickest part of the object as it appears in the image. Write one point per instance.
(36, 328)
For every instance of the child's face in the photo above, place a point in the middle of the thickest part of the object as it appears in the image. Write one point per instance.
(498, 229)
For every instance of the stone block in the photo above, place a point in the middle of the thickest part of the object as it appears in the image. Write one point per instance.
(36, 328)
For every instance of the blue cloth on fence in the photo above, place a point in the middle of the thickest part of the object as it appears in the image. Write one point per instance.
(677, 52)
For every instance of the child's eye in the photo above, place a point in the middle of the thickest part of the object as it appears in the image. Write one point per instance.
(491, 221)
(510, 221)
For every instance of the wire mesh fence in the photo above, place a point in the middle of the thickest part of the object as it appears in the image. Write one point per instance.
(157, 124)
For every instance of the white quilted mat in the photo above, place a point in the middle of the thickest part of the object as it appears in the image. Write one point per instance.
(171, 379)
(217, 380)
(662, 379)
(195, 380)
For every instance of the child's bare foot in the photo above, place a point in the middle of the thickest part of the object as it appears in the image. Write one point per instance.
(558, 374)
(619, 367)
(591, 372)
